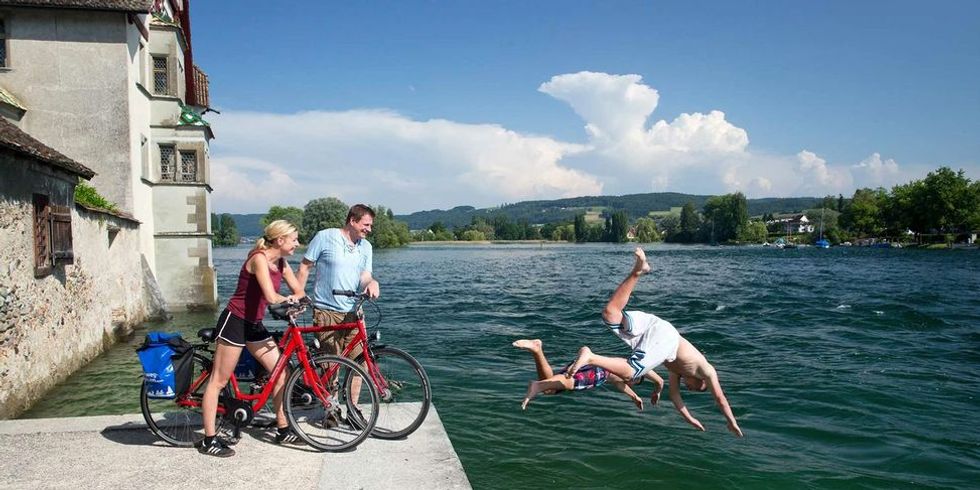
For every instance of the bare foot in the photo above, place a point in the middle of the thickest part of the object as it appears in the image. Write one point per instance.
(641, 266)
(526, 344)
(584, 355)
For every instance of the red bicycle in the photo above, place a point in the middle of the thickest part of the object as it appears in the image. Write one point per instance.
(402, 384)
(327, 419)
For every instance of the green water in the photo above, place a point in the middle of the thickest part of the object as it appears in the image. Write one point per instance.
(847, 368)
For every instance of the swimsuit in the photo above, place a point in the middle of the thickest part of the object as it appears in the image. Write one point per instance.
(587, 376)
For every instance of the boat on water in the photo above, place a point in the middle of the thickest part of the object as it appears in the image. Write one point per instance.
(822, 242)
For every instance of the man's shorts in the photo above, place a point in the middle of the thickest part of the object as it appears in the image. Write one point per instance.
(587, 377)
(237, 331)
(334, 341)
(656, 342)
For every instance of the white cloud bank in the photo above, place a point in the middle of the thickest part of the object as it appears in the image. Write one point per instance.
(382, 157)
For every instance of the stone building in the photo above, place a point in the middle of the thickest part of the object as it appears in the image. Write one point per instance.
(112, 85)
(106, 91)
(71, 278)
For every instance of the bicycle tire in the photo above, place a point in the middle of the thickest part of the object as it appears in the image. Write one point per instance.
(175, 424)
(331, 426)
(406, 401)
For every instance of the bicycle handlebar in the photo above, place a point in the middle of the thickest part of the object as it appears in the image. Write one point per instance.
(361, 297)
(285, 310)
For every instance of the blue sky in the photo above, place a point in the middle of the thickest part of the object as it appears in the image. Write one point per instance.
(421, 105)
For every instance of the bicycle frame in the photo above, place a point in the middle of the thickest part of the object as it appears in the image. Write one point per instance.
(360, 339)
(291, 343)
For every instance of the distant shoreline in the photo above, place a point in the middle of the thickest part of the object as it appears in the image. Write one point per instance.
(482, 242)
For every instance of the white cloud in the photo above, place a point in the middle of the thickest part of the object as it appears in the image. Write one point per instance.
(383, 157)
(875, 172)
(819, 178)
(238, 181)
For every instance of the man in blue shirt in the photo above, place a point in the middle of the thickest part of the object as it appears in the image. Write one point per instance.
(342, 257)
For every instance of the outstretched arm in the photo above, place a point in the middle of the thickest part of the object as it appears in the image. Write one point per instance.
(675, 396)
(625, 388)
(658, 386)
(715, 386)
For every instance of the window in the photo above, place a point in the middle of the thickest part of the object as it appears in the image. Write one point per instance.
(52, 236)
(188, 166)
(168, 163)
(161, 76)
(3, 43)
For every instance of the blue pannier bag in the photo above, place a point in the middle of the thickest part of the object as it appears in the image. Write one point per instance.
(247, 367)
(167, 361)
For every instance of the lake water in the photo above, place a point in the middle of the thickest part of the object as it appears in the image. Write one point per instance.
(847, 368)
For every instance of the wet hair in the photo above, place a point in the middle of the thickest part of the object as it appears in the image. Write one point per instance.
(357, 212)
(275, 230)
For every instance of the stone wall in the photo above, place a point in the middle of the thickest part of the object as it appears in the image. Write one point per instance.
(52, 326)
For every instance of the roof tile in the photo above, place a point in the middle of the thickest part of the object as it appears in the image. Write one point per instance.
(17, 140)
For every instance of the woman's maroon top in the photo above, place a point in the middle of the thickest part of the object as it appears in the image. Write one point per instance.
(248, 302)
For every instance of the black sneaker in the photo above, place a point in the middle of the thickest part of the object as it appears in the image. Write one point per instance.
(287, 436)
(216, 448)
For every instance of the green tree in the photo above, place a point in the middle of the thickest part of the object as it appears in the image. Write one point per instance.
(618, 227)
(478, 224)
(291, 214)
(437, 231)
(690, 223)
(646, 230)
(947, 200)
(581, 229)
(753, 232)
(727, 215)
(670, 228)
(224, 230)
(473, 236)
(973, 217)
(320, 214)
(862, 215)
(388, 232)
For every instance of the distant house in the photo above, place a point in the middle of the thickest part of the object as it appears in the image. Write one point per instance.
(792, 223)
(112, 84)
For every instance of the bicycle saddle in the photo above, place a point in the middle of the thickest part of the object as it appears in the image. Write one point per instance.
(206, 334)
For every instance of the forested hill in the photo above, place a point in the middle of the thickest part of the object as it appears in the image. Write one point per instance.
(558, 210)
(248, 224)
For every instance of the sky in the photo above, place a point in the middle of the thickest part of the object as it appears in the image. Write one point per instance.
(419, 105)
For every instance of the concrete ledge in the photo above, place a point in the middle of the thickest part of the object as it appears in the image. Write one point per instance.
(119, 452)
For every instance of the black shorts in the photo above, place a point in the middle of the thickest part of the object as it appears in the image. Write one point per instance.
(236, 331)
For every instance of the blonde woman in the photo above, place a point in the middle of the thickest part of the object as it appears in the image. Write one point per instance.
(240, 325)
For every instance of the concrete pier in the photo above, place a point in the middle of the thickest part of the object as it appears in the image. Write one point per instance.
(120, 452)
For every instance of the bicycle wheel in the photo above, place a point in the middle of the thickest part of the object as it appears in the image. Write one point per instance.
(326, 424)
(176, 424)
(404, 392)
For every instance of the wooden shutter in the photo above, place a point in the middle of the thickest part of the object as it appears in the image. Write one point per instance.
(61, 249)
(42, 236)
